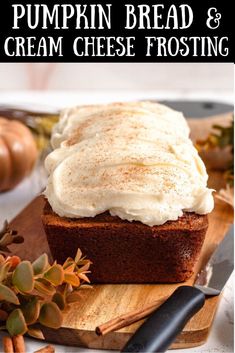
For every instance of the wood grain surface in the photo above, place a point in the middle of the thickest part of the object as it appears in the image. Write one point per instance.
(105, 302)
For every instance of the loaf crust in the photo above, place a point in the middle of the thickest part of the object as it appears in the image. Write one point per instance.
(128, 252)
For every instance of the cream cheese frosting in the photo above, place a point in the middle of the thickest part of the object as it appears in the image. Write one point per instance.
(135, 160)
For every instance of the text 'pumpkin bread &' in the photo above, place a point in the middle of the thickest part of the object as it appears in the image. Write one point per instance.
(18, 153)
(127, 186)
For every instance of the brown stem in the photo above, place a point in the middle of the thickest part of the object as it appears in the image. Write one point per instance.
(128, 319)
(7, 344)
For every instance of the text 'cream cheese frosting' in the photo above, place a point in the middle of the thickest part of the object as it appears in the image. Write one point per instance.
(135, 160)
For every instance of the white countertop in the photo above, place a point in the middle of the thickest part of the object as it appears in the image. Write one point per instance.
(221, 337)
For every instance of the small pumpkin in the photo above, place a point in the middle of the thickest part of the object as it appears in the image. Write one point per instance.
(18, 153)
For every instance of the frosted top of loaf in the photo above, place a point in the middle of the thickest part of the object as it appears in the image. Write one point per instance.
(135, 160)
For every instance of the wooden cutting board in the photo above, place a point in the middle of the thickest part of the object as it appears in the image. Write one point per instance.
(105, 302)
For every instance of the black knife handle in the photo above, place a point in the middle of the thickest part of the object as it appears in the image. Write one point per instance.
(161, 328)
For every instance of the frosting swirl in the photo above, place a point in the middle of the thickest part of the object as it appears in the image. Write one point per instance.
(135, 160)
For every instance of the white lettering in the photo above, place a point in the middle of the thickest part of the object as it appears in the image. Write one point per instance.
(186, 9)
(68, 12)
(149, 45)
(19, 12)
(130, 17)
(32, 46)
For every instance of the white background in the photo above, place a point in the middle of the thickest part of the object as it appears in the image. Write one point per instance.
(216, 78)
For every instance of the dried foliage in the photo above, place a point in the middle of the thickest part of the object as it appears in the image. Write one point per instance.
(42, 126)
(226, 195)
(8, 237)
(221, 137)
(38, 292)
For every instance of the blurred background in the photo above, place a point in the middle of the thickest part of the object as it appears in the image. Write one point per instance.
(188, 77)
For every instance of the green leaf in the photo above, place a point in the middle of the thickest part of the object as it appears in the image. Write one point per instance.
(8, 295)
(31, 311)
(6, 239)
(36, 333)
(50, 315)
(58, 298)
(4, 268)
(44, 287)
(85, 267)
(41, 264)
(22, 277)
(15, 323)
(70, 268)
(71, 278)
(84, 277)
(73, 297)
(55, 275)
(69, 262)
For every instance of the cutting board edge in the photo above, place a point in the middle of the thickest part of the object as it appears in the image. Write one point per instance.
(112, 341)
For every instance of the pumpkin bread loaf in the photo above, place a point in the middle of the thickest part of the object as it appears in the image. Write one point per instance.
(128, 252)
(127, 187)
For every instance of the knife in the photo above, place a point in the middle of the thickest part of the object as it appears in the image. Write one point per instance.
(161, 328)
(198, 108)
